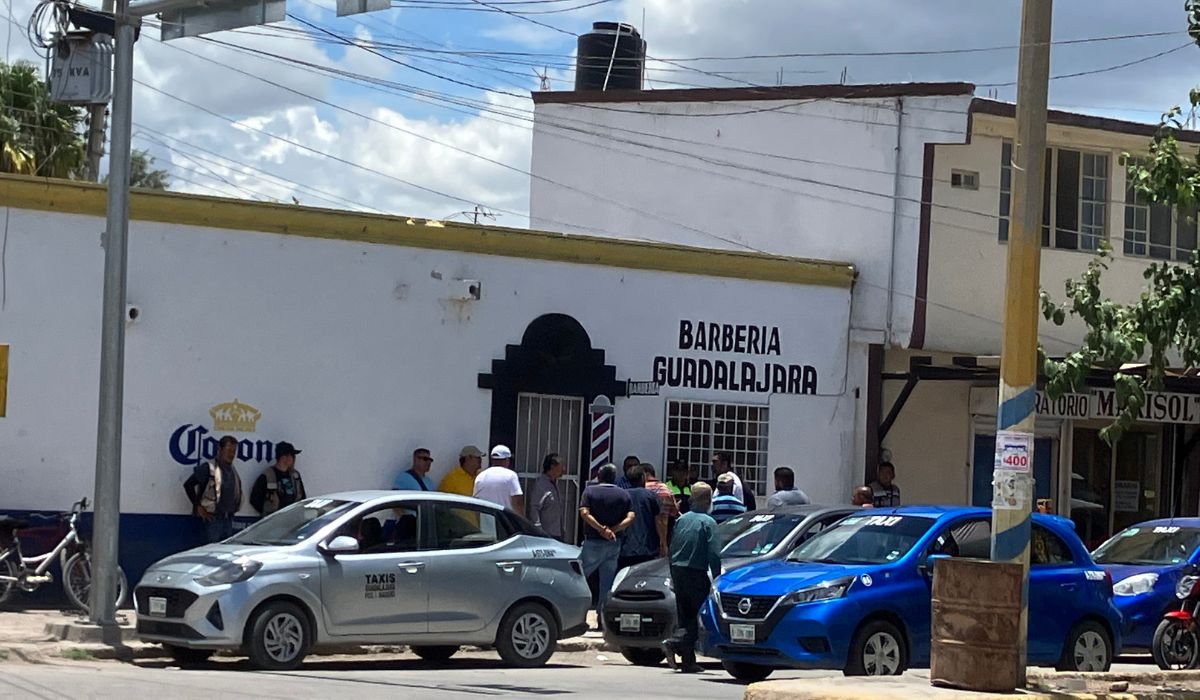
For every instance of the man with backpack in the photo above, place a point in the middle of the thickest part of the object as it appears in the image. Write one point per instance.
(280, 485)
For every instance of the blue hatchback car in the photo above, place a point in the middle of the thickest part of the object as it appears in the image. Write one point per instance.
(857, 597)
(1146, 561)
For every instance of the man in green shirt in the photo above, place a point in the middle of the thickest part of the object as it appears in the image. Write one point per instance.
(693, 557)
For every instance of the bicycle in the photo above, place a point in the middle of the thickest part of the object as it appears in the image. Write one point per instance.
(29, 573)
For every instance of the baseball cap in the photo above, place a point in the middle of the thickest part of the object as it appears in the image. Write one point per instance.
(283, 449)
(726, 478)
(501, 452)
(470, 451)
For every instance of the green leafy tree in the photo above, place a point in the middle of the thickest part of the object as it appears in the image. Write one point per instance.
(37, 137)
(142, 172)
(1162, 325)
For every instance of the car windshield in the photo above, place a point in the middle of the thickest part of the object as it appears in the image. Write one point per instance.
(295, 523)
(864, 539)
(755, 534)
(1159, 544)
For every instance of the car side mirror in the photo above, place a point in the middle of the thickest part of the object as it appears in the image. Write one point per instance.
(930, 561)
(342, 544)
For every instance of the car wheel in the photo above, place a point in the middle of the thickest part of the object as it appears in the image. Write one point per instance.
(528, 636)
(1088, 648)
(1175, 646)
(435, 655)
(279, 636)
(747, 673)
(185, 656)
(643, 656)
(878, 649)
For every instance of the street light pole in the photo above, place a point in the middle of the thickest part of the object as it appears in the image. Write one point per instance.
(106, 523)
(1012, 481)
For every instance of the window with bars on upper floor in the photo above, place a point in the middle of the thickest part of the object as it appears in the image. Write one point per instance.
(696, 429)
(1156, 230)
(1074, 198)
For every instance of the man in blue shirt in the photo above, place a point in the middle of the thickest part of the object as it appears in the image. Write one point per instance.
(646, 538)
(694, 557)
(726, 505)
(416, 478)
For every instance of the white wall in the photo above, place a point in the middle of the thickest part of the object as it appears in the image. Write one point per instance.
(355, 352)
(803, 178)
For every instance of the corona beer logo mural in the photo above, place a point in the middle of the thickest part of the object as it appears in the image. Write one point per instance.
(192, 443)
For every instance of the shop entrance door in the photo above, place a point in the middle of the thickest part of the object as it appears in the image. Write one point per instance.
(1113, 489)
(1045, 452)
(545, 424)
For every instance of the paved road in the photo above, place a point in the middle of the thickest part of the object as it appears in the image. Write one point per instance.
(474, 676)
(582, 676)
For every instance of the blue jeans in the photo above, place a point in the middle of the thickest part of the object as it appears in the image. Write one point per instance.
(601, 555)
(219, 528)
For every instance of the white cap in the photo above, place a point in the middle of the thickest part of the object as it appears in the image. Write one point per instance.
(501, 452)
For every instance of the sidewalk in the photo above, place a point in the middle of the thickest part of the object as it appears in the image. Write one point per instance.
(1150, 685)
(25, 636)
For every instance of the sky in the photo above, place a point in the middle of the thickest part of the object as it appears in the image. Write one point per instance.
(430, 115)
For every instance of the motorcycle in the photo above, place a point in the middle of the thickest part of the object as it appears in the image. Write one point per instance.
(1176, 644)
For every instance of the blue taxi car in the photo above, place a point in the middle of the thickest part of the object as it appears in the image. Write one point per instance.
(857, 597)
(1146, 561)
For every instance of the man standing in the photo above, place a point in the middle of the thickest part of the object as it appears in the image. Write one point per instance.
(545, 506)
(416, 478)
(499, 483)
(726, 505)
(647, 536)
(622, 478)
(666, 499)
(215, 490)
(461, 479)
(693, 558)
(279, 486)
(679, 484)
(722, 464)
(885, 493)
(606, 511)
(786, 493)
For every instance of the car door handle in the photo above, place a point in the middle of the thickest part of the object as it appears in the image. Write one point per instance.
(1069, 586)
(411, 567)
(508, 567)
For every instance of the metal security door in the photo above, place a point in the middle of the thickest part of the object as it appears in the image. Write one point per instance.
(548, 424)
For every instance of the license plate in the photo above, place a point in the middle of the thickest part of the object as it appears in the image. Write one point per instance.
(158, 606)
(741, 634)
(631, 623)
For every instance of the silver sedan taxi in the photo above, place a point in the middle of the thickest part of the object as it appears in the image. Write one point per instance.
(430, 570)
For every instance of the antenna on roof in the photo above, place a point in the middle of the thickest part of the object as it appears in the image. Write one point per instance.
(543, 78)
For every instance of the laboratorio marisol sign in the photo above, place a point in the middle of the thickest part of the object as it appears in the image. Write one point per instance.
(1160, 407)
(762, 375)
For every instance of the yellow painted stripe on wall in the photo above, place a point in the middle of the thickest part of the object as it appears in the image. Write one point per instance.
(192, 210)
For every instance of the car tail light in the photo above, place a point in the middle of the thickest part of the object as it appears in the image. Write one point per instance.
(1108, 581)
(577, 566)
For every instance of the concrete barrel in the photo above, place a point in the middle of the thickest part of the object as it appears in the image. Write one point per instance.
(976, 625)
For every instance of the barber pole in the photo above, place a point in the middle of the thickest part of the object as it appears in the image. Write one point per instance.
(602, 430)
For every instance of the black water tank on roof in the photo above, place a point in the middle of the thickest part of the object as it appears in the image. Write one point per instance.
(610, 57)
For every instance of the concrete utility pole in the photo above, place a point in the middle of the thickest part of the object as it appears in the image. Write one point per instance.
(1012, 480)
(103, 601)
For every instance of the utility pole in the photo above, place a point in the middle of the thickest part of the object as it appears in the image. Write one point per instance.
(107, 519)
(1012, 480)
(95, 135)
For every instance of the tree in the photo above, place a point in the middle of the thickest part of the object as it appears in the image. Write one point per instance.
(142, 172)
(1163, 324)
(37, 137)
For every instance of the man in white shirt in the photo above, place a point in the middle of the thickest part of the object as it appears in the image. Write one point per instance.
(499, 483)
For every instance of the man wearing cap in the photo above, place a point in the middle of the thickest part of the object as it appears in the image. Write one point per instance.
(726, 505)
(499, 483)
(461, 479)
(280, 485)
(416, 478)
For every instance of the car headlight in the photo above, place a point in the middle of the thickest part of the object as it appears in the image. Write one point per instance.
(669, 584)
(826, 590)
(235, 571)
(621, 575)
(1135, 585)
(715, 596)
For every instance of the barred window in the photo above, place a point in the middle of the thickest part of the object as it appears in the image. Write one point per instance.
(1074, 197)
(696, 429)
(1157, 230)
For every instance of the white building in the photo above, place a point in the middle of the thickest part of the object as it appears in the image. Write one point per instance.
(907, 183)
(360, 338)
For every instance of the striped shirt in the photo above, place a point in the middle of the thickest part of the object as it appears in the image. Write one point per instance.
(726, 506)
